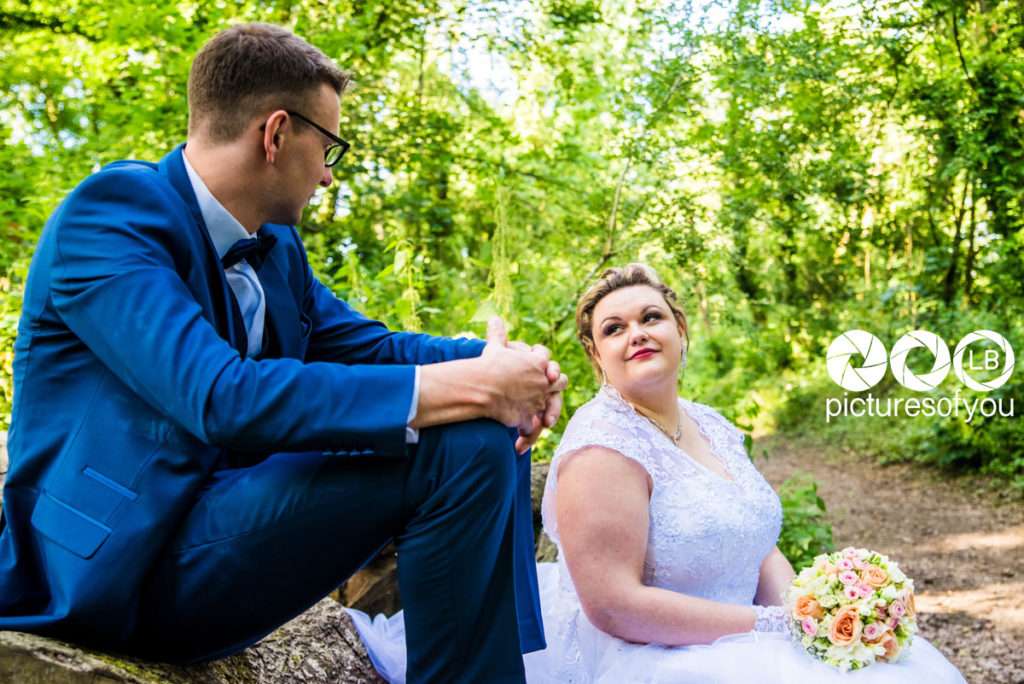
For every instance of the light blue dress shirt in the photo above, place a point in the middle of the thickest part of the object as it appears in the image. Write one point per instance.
(225, 231)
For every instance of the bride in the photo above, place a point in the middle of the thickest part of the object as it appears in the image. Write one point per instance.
(668, 569)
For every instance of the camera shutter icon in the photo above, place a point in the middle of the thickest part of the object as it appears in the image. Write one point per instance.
(839, 360)
(913, 340)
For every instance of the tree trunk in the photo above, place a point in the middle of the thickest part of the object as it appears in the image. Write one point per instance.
(949, 283)
(321, 645)
(969, 266)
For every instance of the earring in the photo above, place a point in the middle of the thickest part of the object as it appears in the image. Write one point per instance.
(682, 361)
(604, 377)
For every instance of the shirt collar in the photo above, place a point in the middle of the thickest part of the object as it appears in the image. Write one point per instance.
(224, 229)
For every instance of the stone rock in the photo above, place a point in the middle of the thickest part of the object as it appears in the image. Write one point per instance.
(321, 645)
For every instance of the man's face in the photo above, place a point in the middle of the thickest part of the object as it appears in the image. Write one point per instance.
(301, 165)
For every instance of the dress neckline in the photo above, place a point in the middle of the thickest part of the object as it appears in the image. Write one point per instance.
(617, 397)
(711, 448)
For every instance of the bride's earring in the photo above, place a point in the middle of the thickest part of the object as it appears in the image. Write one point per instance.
(682, 359)
(604, 377)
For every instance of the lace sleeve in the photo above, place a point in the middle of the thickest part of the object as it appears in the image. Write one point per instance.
(596, 425)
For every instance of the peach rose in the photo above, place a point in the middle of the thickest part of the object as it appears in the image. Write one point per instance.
(845, 629)
(874, 576)
(807, 606)
(908, 601)
(891, 645)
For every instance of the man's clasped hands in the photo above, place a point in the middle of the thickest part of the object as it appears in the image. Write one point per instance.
(512, 382)
(532, 381)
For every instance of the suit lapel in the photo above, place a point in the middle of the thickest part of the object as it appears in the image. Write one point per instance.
(172, 167)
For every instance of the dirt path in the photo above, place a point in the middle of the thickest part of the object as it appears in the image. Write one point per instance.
(962, 542)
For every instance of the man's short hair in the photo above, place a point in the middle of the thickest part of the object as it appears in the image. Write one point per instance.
(248, 69)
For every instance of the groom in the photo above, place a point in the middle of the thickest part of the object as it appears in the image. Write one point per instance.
(205, 441)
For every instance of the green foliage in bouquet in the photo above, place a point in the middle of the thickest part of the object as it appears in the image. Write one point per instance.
(806, 531)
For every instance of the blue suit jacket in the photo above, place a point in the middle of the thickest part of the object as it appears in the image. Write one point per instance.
(132, 386)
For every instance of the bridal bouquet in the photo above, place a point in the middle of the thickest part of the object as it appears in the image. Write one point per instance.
(851, 608)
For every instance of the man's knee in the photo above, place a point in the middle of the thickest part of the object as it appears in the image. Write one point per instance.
(486, 453)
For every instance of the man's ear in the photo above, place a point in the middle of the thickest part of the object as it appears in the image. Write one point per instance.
(274, 131)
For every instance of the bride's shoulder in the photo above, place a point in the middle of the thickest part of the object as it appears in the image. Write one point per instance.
(605, 403)
(605, 421)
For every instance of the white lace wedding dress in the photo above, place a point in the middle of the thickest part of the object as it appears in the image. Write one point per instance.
(707, 538)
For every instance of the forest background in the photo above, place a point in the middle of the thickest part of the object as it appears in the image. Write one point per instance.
(793, 169)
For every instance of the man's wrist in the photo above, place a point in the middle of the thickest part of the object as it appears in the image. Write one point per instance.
(484, 383)
(455, 391)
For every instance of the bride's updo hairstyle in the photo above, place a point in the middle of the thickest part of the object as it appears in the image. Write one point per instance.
(614, 279)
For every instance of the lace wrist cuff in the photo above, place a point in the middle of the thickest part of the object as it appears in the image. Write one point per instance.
(770, 619)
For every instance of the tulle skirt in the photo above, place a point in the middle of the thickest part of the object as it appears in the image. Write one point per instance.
(579, 653)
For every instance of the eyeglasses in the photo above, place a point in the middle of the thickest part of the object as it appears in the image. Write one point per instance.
(335, 151)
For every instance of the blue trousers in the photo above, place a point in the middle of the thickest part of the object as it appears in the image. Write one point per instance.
(264, 543)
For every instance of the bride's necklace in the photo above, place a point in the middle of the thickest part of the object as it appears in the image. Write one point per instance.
(656, 423)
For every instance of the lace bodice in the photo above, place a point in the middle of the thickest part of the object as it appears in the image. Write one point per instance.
(707, 535)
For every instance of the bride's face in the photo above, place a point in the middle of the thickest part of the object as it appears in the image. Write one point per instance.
(637, 339)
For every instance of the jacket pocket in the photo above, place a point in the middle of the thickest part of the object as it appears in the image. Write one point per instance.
(68, 527)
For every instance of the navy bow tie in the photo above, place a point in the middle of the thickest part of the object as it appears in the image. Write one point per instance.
(253, 249)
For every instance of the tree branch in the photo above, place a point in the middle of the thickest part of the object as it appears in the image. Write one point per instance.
(959, 48)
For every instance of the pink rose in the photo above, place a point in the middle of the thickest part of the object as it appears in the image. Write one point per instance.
(848, 577)
(897, 609)
(851, 592)
(864, 590)
(845, 564)
(893, 622)
(810, 626)
(874, 631)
